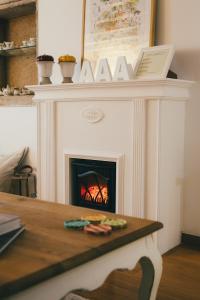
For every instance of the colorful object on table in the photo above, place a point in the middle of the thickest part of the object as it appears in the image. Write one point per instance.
(94, 219)
(100, 229)
(67, 58)
(76, 224)
(115, 223)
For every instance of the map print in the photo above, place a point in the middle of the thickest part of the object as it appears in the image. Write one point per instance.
(116, 28)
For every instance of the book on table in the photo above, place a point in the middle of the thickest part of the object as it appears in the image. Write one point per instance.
(9, 223)
(7, 238)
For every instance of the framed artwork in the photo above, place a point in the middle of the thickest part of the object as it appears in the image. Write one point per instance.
(113, 28)
(154, 62)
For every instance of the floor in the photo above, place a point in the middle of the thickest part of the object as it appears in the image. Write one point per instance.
(180, 279)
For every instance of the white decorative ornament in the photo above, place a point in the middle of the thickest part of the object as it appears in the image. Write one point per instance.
(92, 114)
(123, 70)
(130, 71)
(86, 72)
(103, 71)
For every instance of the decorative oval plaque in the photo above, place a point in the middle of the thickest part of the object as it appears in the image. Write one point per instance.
(92, 114)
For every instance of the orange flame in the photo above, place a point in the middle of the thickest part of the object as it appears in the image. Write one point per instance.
(95, 193)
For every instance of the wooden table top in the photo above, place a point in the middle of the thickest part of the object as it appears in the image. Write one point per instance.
(46, 249)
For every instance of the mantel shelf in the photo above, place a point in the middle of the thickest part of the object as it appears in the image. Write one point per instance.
(115, 90)
(19, 51)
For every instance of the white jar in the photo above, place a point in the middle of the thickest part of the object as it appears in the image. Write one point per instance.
(45, 69)
(67, 70)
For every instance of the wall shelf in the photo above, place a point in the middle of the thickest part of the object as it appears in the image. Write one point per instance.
(25, 100)
(17, 24)
(19, 51)
(16, 8)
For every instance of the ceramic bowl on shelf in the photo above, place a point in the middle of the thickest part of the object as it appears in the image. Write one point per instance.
(24, 44)
(8, 91)
(8, 45)
(31, 42)
(16, 92)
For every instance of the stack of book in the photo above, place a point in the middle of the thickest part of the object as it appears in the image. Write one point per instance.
(10, 229)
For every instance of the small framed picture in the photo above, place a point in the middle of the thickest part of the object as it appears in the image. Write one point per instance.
(154, 62)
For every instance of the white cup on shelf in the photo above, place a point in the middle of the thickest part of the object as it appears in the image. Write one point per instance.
(8, 45)
(32, 42)
(24, 43)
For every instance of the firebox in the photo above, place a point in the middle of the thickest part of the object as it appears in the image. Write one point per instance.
(93, 184)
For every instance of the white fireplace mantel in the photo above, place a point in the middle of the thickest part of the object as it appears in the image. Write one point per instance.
(137, 124)
(114, 90)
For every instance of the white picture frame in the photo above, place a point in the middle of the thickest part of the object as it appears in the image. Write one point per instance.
(154, 62)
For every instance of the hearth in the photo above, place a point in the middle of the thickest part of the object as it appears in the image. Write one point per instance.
(93, 184)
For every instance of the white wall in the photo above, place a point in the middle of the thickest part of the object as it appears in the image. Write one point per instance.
(178, 23)
(18, 129)
(60, 30)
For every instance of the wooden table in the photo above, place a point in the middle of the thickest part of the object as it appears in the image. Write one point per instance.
(47, 261)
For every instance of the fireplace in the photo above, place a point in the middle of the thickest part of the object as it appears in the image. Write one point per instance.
(93, 184)
(137, 124)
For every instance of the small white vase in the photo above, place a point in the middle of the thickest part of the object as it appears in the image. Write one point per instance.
(67, 70)
(45, 69)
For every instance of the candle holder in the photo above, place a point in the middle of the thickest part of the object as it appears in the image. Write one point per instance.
(45, 68)
(67, 65)
(67, 70)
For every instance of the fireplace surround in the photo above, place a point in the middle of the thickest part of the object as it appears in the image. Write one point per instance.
(139, 125)
(113, 170)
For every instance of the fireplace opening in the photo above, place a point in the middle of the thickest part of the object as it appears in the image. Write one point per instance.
(93, 184)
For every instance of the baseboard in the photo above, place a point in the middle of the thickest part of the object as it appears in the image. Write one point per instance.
(190, 240)
(73, 296)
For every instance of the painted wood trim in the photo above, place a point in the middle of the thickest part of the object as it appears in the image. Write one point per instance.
(152, 159)
(47, 150)
(167, 89)
(123, 83)
(190, 240)
(138, 158)
(39, 148)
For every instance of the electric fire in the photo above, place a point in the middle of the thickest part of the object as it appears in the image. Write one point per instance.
(93, 184)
